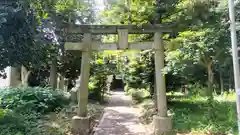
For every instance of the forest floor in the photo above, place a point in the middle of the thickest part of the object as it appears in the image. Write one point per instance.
(60, 123)
(120, 118)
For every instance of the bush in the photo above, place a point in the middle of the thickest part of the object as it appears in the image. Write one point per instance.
(21, 110)
(126, 88)
(10, 122)
(35, 99)
(139, 95)
(95, 89)
(139, 74)
(98, 79)
(133, 75)
(14, 123)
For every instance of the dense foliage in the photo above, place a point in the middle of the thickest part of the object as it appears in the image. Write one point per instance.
(32, 99)
(199, 42)
(100, 70)
(139, 73)
(22, 108)
(31, 34)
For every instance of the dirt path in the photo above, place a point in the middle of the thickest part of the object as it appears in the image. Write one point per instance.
(120, 118)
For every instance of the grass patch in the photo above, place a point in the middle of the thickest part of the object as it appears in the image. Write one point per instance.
(195, 115)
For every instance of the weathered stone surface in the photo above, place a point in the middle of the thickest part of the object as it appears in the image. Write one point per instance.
(159, 75)
(112, 29)
(162, 125)
(80, 125)
(14, 77)
(85, 74)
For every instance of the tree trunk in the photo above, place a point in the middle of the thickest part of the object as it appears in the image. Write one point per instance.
(53, 74)
(24, 76)
(230, 80)
(14, 77)
(102, 94)
(61, 82)
(221, 82)
(210, 80)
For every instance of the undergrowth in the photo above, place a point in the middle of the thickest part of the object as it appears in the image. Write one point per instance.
(21, 109)
(39, 111)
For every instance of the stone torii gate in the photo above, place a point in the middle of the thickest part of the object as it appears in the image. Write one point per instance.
(162, 123)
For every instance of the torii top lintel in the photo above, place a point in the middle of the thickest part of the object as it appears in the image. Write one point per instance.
(113, 29)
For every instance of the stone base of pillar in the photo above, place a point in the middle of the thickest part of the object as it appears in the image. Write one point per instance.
(162, 125)
(80, 125)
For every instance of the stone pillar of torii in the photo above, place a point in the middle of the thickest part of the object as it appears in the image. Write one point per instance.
(162, 122)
